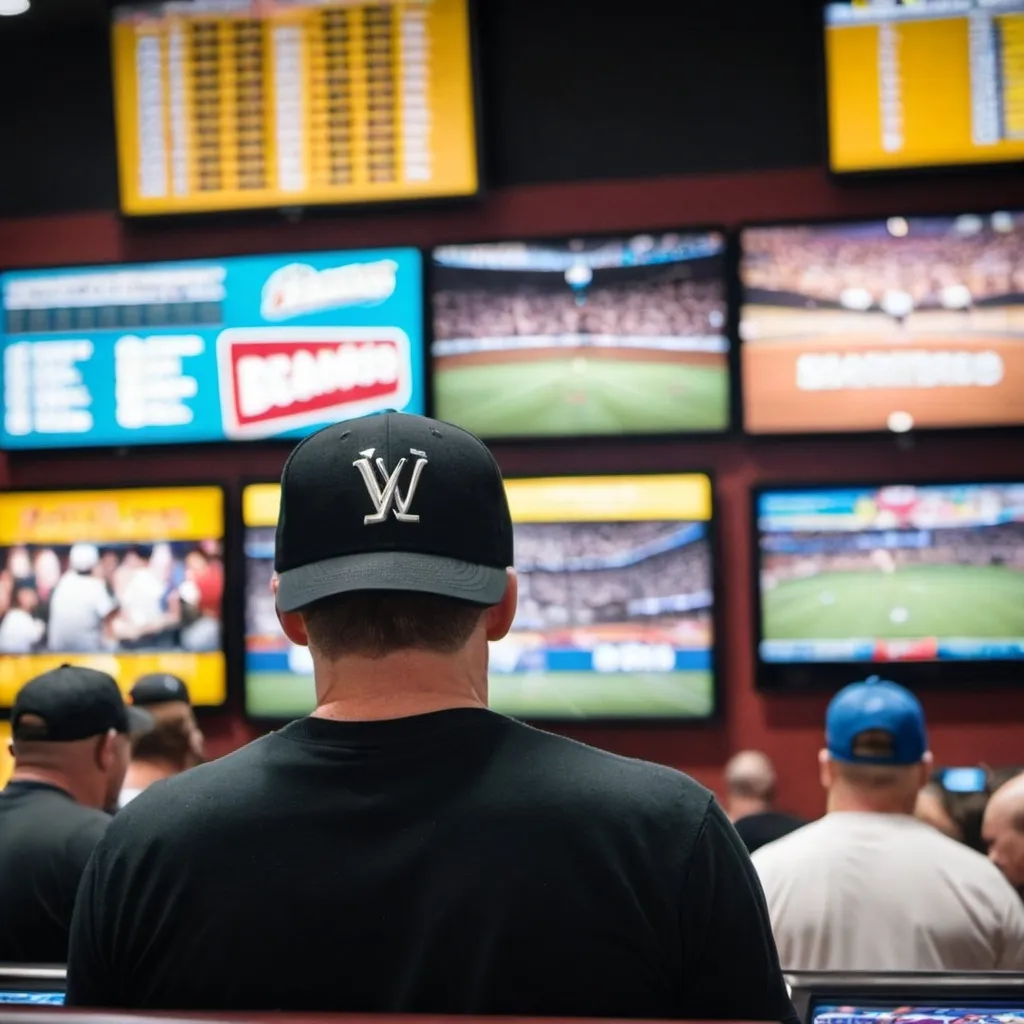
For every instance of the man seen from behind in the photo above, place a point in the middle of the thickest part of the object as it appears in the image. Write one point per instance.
(70, 741)
(404, 849)
(869, 887)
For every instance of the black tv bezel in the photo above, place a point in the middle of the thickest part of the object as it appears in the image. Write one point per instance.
(810, 989)
(641, 721)
(867, 175)
(227, 597)
(236, 214)
(730, 270)
(207, 444)
(1006, 429)
(818, 676)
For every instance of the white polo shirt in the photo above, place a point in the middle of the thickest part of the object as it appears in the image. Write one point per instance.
(885, 892)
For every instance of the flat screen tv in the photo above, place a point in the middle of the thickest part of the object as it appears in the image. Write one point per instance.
(928, 83)
(887, 325)
(126, 581)
(241, 348)
(616, 603)
(923, 582)
(595, 336)
(242, 104)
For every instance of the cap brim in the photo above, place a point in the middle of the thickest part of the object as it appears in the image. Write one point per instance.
(139, 721)
(390, 570)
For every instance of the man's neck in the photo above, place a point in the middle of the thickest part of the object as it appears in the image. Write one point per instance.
(142, 774)
(743, 807)
(400, 685)
(850, 801)
(48, 777)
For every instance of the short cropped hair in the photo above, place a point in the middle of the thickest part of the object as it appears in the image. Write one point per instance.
(375, 623)
(171, 738)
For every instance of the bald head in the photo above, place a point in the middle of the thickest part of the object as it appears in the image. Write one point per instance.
(90, 770)
(749, 783)
(1003, 830)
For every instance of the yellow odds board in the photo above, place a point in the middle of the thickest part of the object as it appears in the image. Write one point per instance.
(930, 83)
(237, 104)
(125, 581)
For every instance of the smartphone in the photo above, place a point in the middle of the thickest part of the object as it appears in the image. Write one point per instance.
(962, 780)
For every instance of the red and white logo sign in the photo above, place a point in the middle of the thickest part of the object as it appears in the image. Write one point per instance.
(277, 379)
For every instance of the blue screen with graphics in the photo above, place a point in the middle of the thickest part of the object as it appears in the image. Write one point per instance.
(209, 350)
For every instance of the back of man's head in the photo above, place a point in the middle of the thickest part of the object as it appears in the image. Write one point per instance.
(749, 782)
(70, 727)
(876, 754)
(394, 537)
(175, 740)
(1003, 830)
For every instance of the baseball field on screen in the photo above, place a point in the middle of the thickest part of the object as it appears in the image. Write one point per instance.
(950, 601)
(530, 394)
(559, 695)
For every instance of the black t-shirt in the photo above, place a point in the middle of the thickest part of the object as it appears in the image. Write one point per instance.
(757, 830)
(456, 862)
(46, 839)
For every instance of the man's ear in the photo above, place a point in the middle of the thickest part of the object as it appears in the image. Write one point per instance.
(499, 617)
(106, 750)
(826, 773)
(291, 622)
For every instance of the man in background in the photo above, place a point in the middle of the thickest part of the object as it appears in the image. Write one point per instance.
(69, 738)
(750, 799)
(81, 606)
(173, 745)
(1003, 831)
(404, 849)
(869, 887)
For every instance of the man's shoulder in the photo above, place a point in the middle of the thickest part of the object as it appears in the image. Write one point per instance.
(607, 775)
(801, 845)
(219, 784)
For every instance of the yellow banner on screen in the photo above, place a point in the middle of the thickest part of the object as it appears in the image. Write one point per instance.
(6, 763)
(610, 498)
(112, 517)
(204, 674)
(261, 504)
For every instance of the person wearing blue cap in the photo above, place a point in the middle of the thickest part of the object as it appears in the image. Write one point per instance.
(869, 887)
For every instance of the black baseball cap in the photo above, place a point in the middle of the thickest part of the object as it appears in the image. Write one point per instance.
(158, 688)
(73, 703)
(392, 501)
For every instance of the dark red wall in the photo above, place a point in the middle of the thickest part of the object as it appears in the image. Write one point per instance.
(966, 728)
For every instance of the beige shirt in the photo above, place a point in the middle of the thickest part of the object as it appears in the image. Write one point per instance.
(877, 892)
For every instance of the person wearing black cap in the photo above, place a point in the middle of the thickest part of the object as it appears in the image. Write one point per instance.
(173, 745)
(406, 850)
(70, 740)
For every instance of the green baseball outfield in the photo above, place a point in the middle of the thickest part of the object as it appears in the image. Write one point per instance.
(559, 695)
(916, 601)
(539, 392)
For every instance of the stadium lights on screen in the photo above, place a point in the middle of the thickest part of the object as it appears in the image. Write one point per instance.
(898, 324)
(616, 603)
(125, 581)
(926, 581)
(597, 336)
(928, 83)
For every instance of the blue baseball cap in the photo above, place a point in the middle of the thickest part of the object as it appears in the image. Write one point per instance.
(876, 722)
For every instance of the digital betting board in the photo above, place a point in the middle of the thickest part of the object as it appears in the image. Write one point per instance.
(208, 350)
(127, 581)
(616, 603)
(892, 574)
(586, 336)
(238, 104)
(908, 323)
(931, 83)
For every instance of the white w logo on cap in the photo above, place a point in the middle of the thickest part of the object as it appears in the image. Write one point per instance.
(386, 498)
